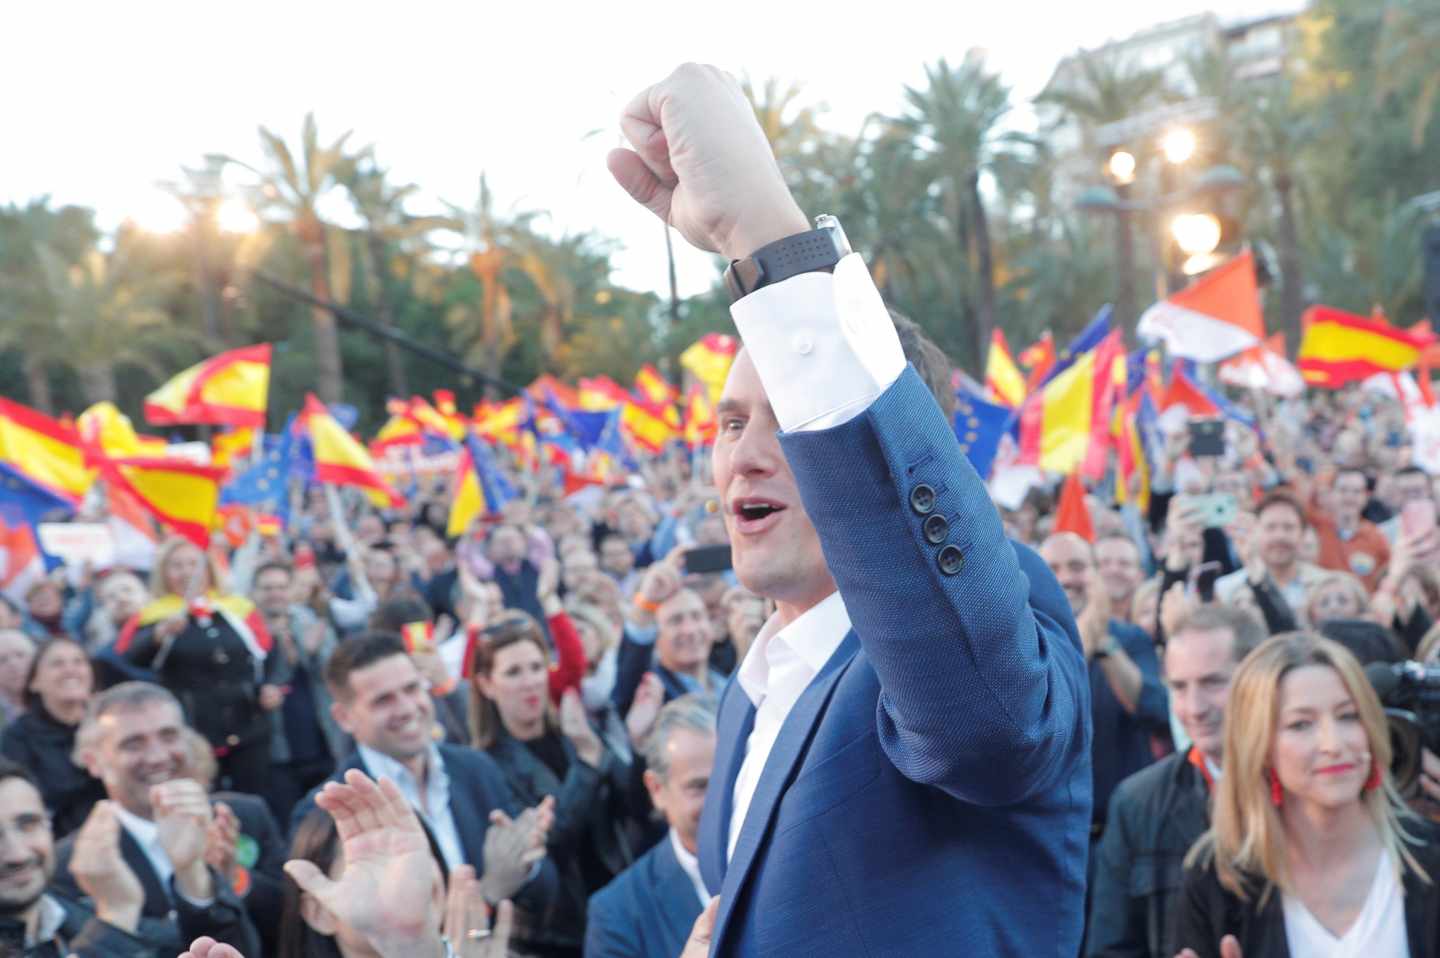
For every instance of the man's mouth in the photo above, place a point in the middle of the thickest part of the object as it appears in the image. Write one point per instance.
(12, 873)
(755, 514)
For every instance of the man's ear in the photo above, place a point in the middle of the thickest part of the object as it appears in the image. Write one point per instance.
(340, 712)
(655, 787)
(317, 916)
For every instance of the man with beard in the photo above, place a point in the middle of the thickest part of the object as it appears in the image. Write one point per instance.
(37, 924)
(1279, 527)
(133, 740)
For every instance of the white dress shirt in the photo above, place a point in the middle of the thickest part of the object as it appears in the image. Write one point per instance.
(690, 865)
(435, 807)
(147, 835)
(780, 665)
(825, 348)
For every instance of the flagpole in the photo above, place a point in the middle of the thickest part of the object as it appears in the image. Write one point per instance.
(337, 516)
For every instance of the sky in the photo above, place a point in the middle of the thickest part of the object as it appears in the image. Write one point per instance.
(103, 101)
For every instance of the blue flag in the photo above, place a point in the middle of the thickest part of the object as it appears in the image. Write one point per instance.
(979, 426)
(264, 485)
(24, 503)
(1089, 338)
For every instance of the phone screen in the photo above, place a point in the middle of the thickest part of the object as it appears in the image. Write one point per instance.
(706, 559)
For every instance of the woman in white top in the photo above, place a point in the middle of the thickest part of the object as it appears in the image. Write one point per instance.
(1310, 851)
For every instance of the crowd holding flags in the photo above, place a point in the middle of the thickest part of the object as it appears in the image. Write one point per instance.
(1089, 413)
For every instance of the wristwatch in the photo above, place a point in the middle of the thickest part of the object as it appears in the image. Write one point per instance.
(814, 251)
(1107, 648)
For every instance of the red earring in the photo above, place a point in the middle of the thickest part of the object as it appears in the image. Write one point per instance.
(1277, 794)
(1373, 782)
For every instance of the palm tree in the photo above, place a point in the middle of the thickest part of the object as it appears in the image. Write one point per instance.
(25, 305)
(955, 120)
(1405, 51)
(292, 191)
(388, 228)
(105, 311)
(495, 245)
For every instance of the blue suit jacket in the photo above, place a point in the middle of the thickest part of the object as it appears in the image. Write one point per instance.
(646, 912)
(929, 793)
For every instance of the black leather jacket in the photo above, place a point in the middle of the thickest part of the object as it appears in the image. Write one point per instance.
(1155, 816)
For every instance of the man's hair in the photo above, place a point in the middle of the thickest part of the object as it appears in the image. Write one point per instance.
(695, 712)
(361, 652)
(1244, 626)
(11, 769)
(1357, 470)
(394, 614)
(928, 359)
(1411, 470)
(123, 697)
(273, 565)
(1280, 497)
(1120, 537)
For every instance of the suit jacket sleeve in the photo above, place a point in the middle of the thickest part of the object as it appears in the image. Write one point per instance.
(224, 919)
(609, 932)
(265, 900)
(985, 693)
(984, 689)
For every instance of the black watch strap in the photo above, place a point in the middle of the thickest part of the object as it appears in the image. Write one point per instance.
(814, 251)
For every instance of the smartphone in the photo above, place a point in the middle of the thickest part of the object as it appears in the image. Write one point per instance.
(1203, 577)
(1417, 517)
(1215, 510)
(1207, 437)
(705, 559)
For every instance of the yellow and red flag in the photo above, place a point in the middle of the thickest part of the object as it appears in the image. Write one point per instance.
(601, 394)
(653, 388)
(1002, 377)
(105, 431)
(709, 360)
(230, 389)
(340, 459)
(433, 422)
(399, 430)
(700, 421)
(501, 422)
(1039, 358)
(46, 452)
(182, 494)
(229, 447)
(1338, 347)
(652, 427)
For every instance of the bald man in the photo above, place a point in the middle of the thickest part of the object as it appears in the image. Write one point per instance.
(1127, 700)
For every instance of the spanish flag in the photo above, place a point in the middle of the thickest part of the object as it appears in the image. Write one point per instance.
(652, 427)
(501, 422)
(700, 422)
(602, 394)
(446, 406)
(106, 431)
(225, 390)
(399, 430)
(709, 360)
(232, 445)
(433, 423)
(182, 494)
(653, 387)
(1339, 347)
(1057, 422)
(1002, 377)
(340, 459)
(1039, 358)
(44, 451)
(547, 388)
(480, 488)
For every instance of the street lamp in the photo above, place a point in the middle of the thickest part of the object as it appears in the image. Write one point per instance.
(1122, 167)
(1178, 145)
(1196, 233)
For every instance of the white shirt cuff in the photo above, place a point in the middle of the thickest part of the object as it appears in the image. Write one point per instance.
(823, 344)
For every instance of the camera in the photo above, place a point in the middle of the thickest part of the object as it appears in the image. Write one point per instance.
(1410, 693)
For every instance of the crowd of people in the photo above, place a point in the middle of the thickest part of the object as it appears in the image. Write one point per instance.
(192, 750)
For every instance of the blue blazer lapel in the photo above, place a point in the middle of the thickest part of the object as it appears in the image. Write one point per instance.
(780, 766)
(674, 892)
(737, 718)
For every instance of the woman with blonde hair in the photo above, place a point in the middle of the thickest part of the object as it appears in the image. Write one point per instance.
(1335, 595)
(211, 649)
(1310, 850)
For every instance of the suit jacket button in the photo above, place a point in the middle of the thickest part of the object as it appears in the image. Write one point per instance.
(950, 560)
(936, 529)
(922, 499)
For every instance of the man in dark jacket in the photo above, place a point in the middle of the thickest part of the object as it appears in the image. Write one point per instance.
(37, 923)
(649, 909)
(459, 793)
(1158, 813)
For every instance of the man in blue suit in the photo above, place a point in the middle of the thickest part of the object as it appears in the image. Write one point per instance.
(459, 793)
(902, 764)
(649, 909)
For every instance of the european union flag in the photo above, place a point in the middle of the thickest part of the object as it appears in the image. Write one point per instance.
(264, 485)
(979, 426)
(22, 501)
(613, 443)
(584, 425)
(495, 486)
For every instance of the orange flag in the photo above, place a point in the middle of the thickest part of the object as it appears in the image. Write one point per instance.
(1072, 514)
